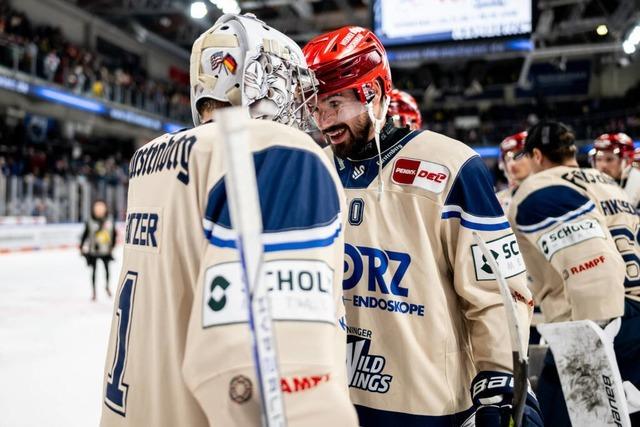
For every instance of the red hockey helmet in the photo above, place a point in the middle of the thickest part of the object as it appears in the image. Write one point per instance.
(512, 144)
(618, 143)
(404, 108)
(349, 58)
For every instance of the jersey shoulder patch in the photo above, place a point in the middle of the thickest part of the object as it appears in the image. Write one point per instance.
(472, 200)
(298, 198)
(550, 205)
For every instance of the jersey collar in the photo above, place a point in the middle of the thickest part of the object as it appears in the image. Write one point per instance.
(360, 173)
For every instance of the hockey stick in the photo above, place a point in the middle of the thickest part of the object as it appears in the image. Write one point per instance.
(588, 371)
(518, 346)
(246, 218)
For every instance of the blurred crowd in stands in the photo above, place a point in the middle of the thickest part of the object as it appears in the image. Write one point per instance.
(45, 168)
(488, 127)
(43, 51)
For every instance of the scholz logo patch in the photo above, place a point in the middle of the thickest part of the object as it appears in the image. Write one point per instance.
(569, 234)
(420, 173)
(299, 290)
(506, 252)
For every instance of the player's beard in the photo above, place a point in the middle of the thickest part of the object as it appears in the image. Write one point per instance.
(358, 134)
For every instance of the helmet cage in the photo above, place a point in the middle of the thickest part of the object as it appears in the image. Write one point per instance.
(242, 61)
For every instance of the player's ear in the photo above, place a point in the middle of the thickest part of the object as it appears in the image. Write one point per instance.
(377, 97)
(537, 156)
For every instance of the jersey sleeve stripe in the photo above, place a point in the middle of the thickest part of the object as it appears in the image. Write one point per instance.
(474, 222)
(295, 188)
(278, 241)
(532, 228)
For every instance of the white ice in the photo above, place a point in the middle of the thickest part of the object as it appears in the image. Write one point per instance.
(53, 339)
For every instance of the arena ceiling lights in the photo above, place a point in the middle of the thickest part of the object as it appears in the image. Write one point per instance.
(227, 6)
(198, 10)
(630, 45)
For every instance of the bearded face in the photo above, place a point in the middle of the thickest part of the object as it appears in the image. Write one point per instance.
(343, 121)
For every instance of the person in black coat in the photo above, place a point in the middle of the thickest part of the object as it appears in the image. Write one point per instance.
(97, 242)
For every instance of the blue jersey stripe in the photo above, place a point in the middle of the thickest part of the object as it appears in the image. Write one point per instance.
(297, 195)
(472, 190)
(472, 199)
(281, 246)
(475, 225)
(550, 205)
(551, 221)
(370, 417)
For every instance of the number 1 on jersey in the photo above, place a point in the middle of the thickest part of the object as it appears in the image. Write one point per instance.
(116, 393)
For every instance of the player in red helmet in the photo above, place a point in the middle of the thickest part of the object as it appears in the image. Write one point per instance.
(613, 154)
(404, 111)
(424, 316)
(355, 83)
(514, 165)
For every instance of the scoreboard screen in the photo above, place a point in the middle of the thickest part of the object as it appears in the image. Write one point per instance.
(402, 22)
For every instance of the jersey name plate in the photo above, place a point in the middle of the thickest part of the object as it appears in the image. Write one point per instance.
(568, 235)
(299, 290)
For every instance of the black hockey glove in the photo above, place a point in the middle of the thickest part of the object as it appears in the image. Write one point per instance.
(492, 395)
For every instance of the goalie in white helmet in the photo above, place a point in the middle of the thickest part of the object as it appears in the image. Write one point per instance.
(242, 61)
(180, 349)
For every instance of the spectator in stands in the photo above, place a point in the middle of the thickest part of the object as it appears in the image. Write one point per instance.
(51, 64)
(4, 167)
(43, 51)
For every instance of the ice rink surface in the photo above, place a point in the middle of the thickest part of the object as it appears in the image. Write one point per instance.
(53, 339)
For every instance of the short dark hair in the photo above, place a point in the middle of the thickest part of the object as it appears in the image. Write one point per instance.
(555, 140)
(206, 105)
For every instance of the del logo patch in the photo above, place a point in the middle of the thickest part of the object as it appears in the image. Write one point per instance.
(420, 173)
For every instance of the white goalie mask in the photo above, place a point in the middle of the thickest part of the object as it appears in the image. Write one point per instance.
(244, 62)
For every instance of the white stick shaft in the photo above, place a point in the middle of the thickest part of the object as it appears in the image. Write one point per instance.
(515, 329)
(246, 218)
(518, 346)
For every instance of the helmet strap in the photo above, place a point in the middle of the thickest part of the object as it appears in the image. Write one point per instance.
(377, 128)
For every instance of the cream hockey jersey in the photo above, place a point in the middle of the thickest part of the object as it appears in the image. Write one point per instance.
(423, 308)
(578, 233)
(180, 352)
(631, 184)
(504, 198)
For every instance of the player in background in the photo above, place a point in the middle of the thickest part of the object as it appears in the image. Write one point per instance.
(578, 233)
(404, 110)
(425, 320)
(180, 349)
(97, 242)
(515, 168)
(613, 154)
